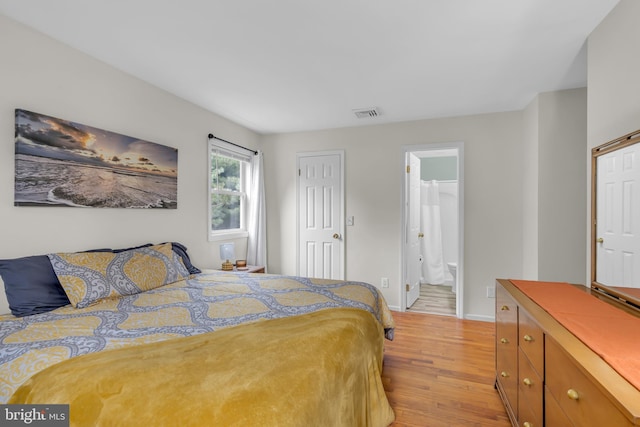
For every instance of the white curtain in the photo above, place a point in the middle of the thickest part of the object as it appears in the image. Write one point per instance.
(433, 264)
(257, 226)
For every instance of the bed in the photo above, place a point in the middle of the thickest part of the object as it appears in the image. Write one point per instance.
(147, 339)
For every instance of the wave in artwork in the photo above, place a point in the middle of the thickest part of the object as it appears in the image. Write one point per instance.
(62, 163)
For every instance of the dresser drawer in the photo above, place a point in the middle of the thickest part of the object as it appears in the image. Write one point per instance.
(506, 327)
(507, 376)
(531, 389)
(507, 347)
(579, 398)
(553, 415)
(507, 360)
(507, 350)
(506, 307)
(531, 341)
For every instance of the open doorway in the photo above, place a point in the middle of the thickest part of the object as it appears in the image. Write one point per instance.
(433, 236)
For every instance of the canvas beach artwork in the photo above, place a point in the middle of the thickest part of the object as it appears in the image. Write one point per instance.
(62, 163)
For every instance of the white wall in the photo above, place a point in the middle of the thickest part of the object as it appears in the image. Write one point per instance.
(613, 79)
(374, 172)
(44, 76)
(554, 191)
(613, 82)
(530, 174)
(562, 192)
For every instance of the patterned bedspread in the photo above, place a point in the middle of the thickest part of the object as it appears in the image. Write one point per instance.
(205, 303)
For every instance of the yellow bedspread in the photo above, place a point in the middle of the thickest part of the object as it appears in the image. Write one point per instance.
(208, 302)
(316, 369)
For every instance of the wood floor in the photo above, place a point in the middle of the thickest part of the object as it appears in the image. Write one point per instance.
(439, 371)
(435, 299)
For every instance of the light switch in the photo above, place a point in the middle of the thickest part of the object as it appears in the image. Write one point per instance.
(350, 220)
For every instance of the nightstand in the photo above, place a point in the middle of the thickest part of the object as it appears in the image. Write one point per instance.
(249, 269)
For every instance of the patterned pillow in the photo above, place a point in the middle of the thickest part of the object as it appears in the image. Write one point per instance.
(88, 277)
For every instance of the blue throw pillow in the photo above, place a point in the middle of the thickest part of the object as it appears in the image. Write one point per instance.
(182, 251)
(31, 285)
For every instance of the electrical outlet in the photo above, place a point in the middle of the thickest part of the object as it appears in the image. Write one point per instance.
(491, 292)
(384, 282)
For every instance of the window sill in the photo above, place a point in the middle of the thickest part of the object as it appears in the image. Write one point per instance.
(227, 235)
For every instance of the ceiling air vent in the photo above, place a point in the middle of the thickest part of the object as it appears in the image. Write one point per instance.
(363, 113)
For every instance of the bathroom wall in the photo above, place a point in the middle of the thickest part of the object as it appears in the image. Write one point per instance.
(439, 168)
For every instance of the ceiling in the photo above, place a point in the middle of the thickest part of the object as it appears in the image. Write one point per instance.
(293, 65)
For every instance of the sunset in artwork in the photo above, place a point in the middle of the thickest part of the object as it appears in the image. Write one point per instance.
(63, 163)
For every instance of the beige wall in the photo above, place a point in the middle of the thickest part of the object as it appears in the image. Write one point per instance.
(562, 190)
(562, 195)
(373, 159)
(613, 79)
(530, 174)
(42, 75)
(613, 82)
(554, 191)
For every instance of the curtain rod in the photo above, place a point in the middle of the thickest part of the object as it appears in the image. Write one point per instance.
(212, 136)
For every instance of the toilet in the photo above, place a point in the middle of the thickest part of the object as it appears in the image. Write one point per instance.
(453, 266)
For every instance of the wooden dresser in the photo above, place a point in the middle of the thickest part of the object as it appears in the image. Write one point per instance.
(546, 376)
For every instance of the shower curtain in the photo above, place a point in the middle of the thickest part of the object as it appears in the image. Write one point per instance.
(433, 260)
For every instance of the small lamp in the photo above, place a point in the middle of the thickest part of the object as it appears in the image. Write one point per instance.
(227, 252)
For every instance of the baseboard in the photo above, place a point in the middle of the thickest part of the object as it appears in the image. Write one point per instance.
(480, 317)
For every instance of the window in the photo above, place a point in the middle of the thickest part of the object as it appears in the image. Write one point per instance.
(229, 173)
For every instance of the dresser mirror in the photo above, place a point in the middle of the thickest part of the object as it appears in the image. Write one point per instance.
(615, 219)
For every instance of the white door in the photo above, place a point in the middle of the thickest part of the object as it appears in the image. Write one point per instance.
(320, 213)
(412, 240)
(618, 213)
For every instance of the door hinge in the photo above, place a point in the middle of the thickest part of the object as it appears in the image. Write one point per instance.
(408, 287)
(408, 169)
(299, 172)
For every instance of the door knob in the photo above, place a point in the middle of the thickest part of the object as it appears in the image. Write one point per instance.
(420, 234)
(336, 236)
(600, 240)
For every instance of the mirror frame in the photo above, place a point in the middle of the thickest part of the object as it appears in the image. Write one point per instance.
(615, 292)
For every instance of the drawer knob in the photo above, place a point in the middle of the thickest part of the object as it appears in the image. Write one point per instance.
(504, 341)
(504, 308)
(527, 424)
(503, 374)
(528, 338)
(573, 394)
(527, 382)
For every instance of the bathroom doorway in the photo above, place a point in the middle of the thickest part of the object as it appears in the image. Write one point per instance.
(433, 229)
